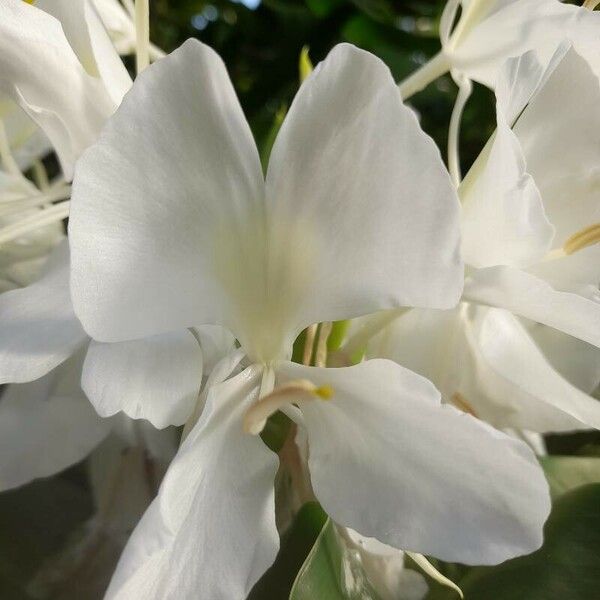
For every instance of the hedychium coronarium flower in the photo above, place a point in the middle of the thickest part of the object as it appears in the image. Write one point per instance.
(43, 351)
(530, 243)
(477, 36)
(173, 225)
(42, 343)
(60, 78)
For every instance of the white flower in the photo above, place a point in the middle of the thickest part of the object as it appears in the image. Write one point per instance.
(42, 352)
(62, 69)
(489, 32)
(526, 202)
(173, 225)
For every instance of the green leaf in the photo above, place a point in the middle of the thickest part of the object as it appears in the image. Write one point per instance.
(565, 473)
(566, 567)
(332, 572)
(296, 543)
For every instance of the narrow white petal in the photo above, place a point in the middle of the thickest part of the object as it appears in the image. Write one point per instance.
(38, 328)
(568, 181)
(211, 531)
(529, 296)
(46, 426)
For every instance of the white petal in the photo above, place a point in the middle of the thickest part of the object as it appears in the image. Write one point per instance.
(46, 426)
(577, 361)
(362, 209)
(211, 531)
(87, 36)
(38, 328)
(503, 222)
(425, 341)
(529, 296)
(157, 378)
(216, 343)
(40, 71)
(119, 25)
(498, 29)
(149, 221)
(26, 140)
(568, 181)
(522, 388)
(485, 361)
(578, 273)
(389, 461)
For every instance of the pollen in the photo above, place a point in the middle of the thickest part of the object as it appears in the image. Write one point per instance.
(325, 392)
(582, 239)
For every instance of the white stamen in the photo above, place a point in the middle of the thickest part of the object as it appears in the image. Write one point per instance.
(465, 88)
(142, 35)
(321, 353)
(55, 213)
(15, 205)
(434, 573)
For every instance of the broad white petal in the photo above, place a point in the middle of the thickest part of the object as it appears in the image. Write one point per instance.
(38, 328)
(519, 386)
(157, 378)
(362, 210)
(152, 220)
(46, 426)
(568, 181)
(389, 461)
(529, 296)
(40, 71)
(211, 531)
(87, 36)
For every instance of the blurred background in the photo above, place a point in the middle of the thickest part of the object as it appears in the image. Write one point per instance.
(45, 526)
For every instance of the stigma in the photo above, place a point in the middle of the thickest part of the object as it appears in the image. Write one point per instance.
(582, 239)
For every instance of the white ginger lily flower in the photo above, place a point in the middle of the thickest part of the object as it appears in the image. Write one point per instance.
(42, 350)
(173, 225)
(531, 225)
(40, 336)
(530, 232)
(57, 62)
(489, 32)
